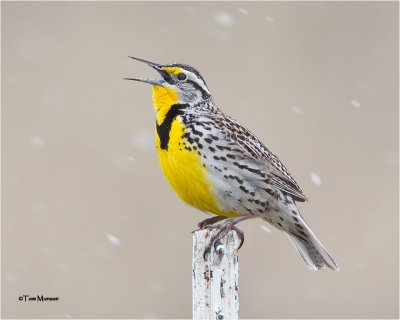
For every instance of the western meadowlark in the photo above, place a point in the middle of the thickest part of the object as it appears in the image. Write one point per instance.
(218, 166)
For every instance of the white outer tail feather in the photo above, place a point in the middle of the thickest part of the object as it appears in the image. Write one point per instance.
(314, 250)
(303, 252)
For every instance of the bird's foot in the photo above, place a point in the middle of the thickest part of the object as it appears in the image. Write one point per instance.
(209, 222)
(224, 229)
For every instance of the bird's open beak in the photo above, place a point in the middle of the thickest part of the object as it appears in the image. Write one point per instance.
(156, 66)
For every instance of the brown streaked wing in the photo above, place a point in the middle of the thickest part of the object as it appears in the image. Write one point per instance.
(259, 155)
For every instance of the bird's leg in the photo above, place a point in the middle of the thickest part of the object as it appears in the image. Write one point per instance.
(207, 222)
(224, 228)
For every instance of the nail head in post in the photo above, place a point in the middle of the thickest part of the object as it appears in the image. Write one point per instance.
(219, 249)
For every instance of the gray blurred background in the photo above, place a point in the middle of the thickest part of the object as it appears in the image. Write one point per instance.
(87, 215)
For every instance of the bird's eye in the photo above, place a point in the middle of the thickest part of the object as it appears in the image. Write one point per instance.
(182, 77)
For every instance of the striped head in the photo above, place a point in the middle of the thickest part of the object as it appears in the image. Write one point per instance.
(180, 84)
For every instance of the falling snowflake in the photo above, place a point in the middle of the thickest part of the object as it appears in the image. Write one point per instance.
(224, 19)
(269, 19)
(316, 179)
(355, 104)
(113, 239)
(37, 141)
(143, 140)
(265, 229)
(243, 11)
(297, 109)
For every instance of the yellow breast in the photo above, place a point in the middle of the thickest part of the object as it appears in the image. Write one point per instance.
(182, 167)
(185, 172)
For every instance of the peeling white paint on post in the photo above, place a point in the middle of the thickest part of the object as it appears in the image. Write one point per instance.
(215, 280)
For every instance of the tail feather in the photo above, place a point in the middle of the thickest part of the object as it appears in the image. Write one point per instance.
(312, 251)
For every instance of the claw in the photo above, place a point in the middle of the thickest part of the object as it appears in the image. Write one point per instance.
(240, 235)
(224, 228)
(206, 251)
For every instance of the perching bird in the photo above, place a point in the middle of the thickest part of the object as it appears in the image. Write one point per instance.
(218, 166)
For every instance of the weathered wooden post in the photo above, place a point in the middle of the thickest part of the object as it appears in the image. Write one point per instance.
(215, 280)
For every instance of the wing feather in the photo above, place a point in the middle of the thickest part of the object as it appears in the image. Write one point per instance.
(253, 151)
